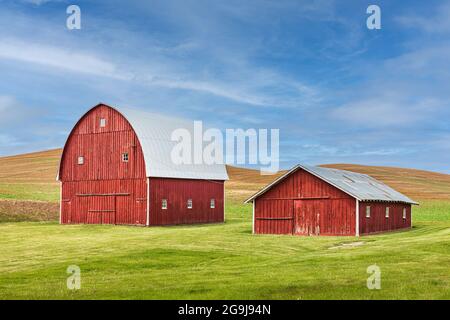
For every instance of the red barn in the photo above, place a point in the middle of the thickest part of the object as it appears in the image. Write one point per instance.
(311, 200)
(116, 168)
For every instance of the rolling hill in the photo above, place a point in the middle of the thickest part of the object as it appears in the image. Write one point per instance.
(31, 177)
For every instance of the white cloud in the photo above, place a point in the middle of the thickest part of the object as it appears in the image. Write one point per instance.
(386, 111)
(437, 23)
(55, 57)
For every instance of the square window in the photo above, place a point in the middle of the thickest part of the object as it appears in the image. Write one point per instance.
(164, 204)
(387, 212)
(212, 204)
(125, 157)
(368, 212)
(102, 123)
(404, 213)
(80, 160)
(189, 204)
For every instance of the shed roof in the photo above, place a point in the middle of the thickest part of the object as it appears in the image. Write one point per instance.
(154, 132)
(360, 186)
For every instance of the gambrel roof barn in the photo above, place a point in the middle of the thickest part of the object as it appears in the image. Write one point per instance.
(116, 168)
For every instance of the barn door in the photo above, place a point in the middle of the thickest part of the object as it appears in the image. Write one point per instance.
(307, 215)
(101, 210)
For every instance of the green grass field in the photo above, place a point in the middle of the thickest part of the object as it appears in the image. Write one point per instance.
(219, 261)
(224, 261)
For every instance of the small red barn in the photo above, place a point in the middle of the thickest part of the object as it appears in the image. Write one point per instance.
(116, 168)
(311, 200)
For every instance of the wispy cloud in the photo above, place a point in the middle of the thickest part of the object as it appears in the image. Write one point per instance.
(55, 57)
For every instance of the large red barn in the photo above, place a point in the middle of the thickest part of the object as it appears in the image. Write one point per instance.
(311, 200)
(116, 168)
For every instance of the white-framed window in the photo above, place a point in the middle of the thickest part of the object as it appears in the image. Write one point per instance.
(125, 157)
(212, 203)
(189, 204)
(367, 211)
(404, 213)
(80, 160)
(387, 212)
(102, 122)
(164, 204)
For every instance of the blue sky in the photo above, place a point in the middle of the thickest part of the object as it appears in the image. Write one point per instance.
(338, 92)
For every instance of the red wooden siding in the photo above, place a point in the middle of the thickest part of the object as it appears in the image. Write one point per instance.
(104, 189)
(274, 216)
(378, 221)
(305, 204)
(177, 192)
(107, 190)
(108, 202)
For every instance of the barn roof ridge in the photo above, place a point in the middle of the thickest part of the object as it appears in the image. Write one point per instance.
(362, 187)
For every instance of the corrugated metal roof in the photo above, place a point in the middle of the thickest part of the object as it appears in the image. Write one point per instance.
(360, 186)
(154, 133)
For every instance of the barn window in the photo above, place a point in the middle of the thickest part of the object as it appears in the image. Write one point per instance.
(368, 212)
(212, 204)
(125, 157)
(164, 204)
(80, 160)
(102, 123)
(404, 213)
(387, 212)
(189, 204)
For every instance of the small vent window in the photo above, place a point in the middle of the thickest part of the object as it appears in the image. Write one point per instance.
(125, 157)
(212, 204)
(368, 212)
(164, 204)
(189, 204)
(404, 213)
(102, 123)
(387, 212)
(80, 160)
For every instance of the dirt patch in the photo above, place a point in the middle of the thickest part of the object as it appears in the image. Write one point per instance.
(20, 210)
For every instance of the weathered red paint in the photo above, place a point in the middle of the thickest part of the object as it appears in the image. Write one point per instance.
(377, 222)
(303, 204)
(106, 190)
(177, 192)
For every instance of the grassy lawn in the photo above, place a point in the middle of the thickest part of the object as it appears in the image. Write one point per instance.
(224, 261)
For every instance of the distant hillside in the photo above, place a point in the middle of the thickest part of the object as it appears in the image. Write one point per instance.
(32, 177)
(417, 184)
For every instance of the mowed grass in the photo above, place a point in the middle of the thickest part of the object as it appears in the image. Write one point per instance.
(216, 261)
(224, 261)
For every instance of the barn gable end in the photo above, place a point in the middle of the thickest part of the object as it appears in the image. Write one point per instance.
(278, 209)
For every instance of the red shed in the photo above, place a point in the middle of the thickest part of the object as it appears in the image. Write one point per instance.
(116, 168)
(311, 200)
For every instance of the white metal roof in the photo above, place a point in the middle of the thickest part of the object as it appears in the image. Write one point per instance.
(360, 186)
(154, 133)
